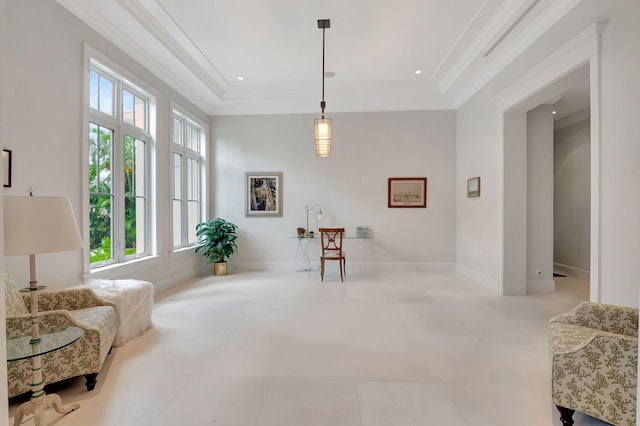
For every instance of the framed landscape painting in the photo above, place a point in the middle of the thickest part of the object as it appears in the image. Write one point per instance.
(407, 192)
(263, 194)
(473, 187)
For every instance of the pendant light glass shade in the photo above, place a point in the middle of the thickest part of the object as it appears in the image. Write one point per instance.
(323, 136)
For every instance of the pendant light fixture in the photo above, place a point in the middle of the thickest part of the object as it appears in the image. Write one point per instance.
(322, 126)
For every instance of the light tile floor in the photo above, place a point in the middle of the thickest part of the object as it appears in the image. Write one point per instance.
(278, 349)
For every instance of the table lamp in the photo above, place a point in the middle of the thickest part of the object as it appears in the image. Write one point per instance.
(36, 225)
(307, 208)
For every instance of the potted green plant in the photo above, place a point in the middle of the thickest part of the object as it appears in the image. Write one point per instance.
(217, 242)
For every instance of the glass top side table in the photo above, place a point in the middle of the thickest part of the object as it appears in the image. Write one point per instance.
(24, 347)
(20, 348)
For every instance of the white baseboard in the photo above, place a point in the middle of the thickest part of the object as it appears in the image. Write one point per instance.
(482, 279)
(355, 268)
(541, 286)
(572, 271)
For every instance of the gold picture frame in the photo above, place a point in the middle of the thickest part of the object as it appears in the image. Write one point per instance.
(473, 187)
(407, 193)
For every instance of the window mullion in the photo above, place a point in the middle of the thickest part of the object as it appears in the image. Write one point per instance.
(185, 198)
(118, 202)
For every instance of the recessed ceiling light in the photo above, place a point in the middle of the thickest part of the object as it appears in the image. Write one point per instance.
(553, 112)
(240, 78)
(418, 72)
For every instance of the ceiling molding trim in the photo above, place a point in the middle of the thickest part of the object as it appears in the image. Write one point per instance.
(572, 54)
(442, 63)
(511, 25)
(476, 48)
(102, 26)
(309, 106)
(579, 117)
(164, 29)
(548, 18)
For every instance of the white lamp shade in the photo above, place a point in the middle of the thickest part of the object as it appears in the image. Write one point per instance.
(34, 225)
(322, 127)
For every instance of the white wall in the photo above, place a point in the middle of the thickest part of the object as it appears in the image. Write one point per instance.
(540, 199)
(43, 104)
(476, 218)
(619, 129)
(620, 151)
(572, 198)
(351, 185)
(4, 406)
(514, 268)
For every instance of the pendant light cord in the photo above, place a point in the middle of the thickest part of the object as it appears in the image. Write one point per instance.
(322, 104)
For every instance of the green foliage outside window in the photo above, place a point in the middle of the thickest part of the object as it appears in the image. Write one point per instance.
(101, 193)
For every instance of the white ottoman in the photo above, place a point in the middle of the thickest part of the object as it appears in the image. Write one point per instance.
(134, 302)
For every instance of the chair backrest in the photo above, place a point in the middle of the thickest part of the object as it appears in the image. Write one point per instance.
(331, 241)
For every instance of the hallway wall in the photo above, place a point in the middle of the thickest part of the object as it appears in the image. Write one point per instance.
(572, 196)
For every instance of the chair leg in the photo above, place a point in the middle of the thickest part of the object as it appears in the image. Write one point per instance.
(91, 381)
(322, 269)
(340, 262)
(566, 415)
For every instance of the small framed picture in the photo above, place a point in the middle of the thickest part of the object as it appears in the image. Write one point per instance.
(6, 167)
(263, 194)
(407, 192)
(473, 187)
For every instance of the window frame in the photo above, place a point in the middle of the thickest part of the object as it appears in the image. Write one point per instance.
(96, 62)
(187, 119)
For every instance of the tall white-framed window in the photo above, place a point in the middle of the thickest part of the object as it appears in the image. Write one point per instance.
(188, 165)
(120, 143)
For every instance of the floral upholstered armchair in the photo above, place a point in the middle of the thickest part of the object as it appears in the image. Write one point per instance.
(594, 358)
(58, 310)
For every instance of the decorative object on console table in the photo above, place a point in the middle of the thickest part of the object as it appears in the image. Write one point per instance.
(407, 192)
(473, 187)
(362, 232)
(36, 225)
(217, 242)
(319, 217)
(263, 195)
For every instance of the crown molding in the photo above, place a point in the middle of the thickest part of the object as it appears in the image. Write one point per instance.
(583, 116)
(154, 18)
(102, 26)
(489, 33)
(572, 54)
(542, 23)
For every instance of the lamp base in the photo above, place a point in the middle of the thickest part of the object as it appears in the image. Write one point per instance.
(40, 403)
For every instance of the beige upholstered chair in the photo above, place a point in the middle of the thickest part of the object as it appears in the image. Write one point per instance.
(594, 356)
(58, 310)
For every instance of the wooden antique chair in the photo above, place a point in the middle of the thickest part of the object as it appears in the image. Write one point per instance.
(332, 249)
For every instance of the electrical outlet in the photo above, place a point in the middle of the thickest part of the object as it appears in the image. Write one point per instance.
(539, 272)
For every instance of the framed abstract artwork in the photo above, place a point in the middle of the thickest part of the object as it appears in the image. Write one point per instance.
(407, 192)
(263, 194)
